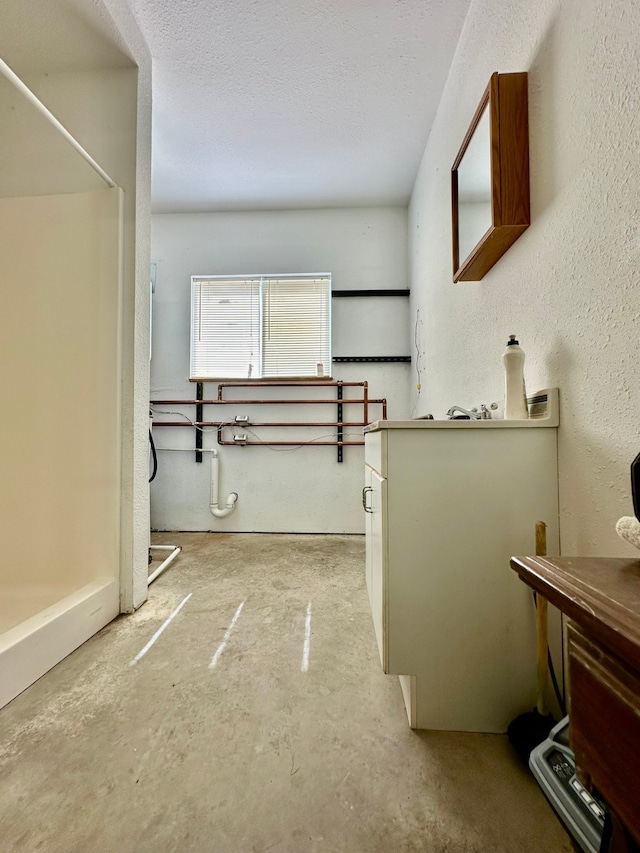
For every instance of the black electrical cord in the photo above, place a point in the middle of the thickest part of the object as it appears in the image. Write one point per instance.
(155, 458)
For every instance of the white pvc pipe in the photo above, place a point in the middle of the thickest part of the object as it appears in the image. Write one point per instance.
(231, 498)
(175, 549)
(21, 87)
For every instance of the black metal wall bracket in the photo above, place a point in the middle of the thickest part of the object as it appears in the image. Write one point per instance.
(340, 430)
(342, 359)
(199, 419)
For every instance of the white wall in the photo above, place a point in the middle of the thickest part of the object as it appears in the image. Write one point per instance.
(121, 28)
(303, 490)
(569, 288)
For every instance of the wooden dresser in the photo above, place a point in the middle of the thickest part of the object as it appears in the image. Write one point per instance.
(601, 598)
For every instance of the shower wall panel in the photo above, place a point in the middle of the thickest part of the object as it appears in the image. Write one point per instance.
(60, 426)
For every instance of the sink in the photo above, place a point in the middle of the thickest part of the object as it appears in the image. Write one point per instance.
(543, 412)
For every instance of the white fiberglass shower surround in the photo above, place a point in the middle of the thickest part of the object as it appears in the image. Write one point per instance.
(60, 349)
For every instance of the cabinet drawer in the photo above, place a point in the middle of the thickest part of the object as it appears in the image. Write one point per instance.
(605, 724)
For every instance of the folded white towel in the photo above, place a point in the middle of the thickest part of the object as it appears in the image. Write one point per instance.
(628, 528)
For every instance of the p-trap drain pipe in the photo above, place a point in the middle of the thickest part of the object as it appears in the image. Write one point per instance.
(231, 498)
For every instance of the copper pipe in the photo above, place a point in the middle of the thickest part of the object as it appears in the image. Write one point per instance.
(300, 384)
(300, 424)
(191, 423)
(381, 400)
(256, 402)
(292, 443)
(292, 384)
(181, 402)
(222, 424)
(268, 383)
(365, 402)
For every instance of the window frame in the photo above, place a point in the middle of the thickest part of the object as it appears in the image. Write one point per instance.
(261, 279)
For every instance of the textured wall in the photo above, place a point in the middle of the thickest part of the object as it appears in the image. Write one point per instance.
(118, 20)
(281, 489)
(569, 287)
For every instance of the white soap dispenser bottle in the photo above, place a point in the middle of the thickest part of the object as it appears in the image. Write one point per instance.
(515, 395)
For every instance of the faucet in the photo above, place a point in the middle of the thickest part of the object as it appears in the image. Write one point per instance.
(473, 414)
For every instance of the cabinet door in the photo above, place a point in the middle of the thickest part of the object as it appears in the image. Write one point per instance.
(368, 530)
(376, 561)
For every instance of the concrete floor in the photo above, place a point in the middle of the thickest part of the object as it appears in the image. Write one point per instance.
(253, 754)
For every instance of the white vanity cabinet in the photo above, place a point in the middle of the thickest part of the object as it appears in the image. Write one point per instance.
(447, 504)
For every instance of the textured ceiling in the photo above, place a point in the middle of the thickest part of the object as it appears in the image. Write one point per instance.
(293, 103)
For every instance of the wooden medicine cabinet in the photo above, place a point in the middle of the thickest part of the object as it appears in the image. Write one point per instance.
(490, 179)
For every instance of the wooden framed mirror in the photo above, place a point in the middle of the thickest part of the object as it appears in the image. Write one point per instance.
(490, 179)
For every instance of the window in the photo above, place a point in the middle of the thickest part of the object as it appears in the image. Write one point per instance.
(260, 327)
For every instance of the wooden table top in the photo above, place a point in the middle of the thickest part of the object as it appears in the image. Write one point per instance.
(602, 594)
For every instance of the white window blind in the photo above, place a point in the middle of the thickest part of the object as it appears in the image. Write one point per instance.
(257, 327)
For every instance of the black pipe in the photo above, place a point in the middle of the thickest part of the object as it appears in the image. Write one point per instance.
(155, 458)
